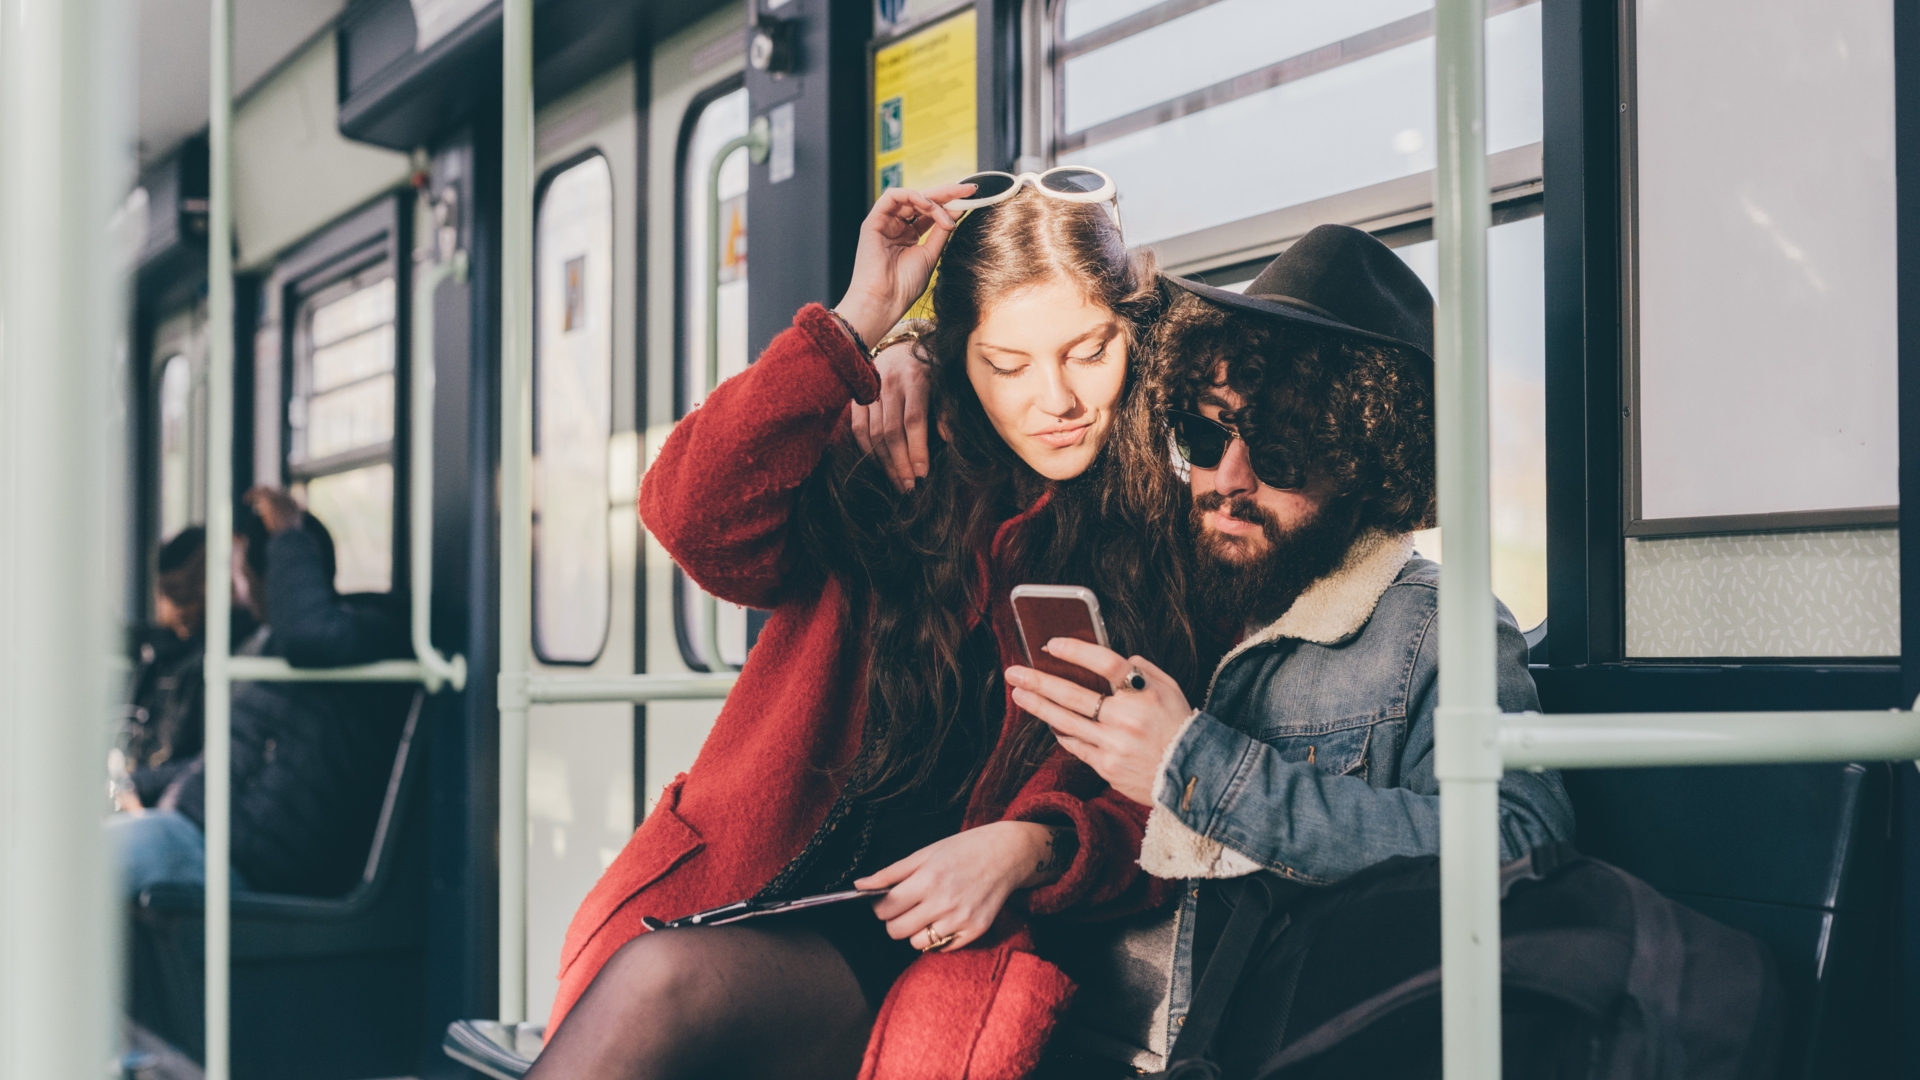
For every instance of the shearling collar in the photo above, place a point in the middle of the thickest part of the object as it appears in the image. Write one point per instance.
(1337, 606)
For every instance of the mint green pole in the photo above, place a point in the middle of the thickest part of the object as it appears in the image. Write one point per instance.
(63, 167)
(1466, 759)
(219, 684)
(516, 462)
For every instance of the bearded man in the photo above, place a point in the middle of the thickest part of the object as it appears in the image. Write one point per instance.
(1304, 410)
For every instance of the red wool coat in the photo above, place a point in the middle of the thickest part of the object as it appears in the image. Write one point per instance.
(721, 498)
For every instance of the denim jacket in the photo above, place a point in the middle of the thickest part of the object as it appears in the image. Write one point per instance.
(1313, 754)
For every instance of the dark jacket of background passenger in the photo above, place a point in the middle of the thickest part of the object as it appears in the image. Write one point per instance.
(311, 760)
(165, 712)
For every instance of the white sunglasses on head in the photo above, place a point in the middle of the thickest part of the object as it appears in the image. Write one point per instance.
(1068, 183)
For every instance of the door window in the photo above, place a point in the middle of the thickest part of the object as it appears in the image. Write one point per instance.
(573, 413)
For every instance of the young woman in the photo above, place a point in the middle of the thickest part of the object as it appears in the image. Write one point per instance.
(870, 741)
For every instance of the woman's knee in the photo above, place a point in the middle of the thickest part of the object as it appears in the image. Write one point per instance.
(662, 969)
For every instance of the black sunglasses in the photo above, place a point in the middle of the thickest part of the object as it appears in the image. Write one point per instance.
(1203, 442)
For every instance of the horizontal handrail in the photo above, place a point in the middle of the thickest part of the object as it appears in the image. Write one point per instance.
(1592, 741)
(638, 689)
(274, 669)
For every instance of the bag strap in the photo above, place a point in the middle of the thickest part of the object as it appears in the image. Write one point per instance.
(1251, 908)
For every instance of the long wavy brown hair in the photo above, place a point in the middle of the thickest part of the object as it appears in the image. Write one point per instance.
(913, 561)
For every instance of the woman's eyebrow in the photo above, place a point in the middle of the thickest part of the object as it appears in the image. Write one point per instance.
(1090, 332)
(1208, 397)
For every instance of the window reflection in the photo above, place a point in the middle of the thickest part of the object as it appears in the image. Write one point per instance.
(176, 446)
(721, 119)
(342, 416)
(573, 414)
(1516, 370)
(356, 506)
(1345, 114)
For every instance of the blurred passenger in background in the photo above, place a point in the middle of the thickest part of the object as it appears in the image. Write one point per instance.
(164, 713)
(310, 760)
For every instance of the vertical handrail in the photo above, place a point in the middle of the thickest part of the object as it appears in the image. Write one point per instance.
(516, 452)
(756, 142)
(61, 95)
(434, 667)
(219, 685)
(1466, 758)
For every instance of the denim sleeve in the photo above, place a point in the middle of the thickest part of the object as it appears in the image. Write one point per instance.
(1292, 817)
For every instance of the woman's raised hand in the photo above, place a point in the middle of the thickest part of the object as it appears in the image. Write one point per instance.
(892, 265)
(946, 895)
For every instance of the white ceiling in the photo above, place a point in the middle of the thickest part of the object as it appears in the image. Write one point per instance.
(173, 53)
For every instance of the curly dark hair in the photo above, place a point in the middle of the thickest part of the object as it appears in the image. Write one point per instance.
(914, 561)
(1356, 413)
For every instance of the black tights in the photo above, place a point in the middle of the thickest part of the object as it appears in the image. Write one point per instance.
(715, 1001)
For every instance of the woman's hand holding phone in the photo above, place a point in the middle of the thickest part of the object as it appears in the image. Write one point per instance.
(1123, 736)
(891, 265)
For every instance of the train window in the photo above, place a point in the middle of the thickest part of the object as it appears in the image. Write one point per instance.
(572, 413)
(715, 120)
(1285, 102)
(1341, 99)
(1516, 369)
(341, 421)
(176, 445)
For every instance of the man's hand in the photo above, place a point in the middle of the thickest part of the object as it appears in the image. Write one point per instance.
(1129, 738)
(894, 427)
(276, 508)
(955, 888)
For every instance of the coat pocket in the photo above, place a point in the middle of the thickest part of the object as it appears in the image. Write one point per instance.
(1336, 753)
(662, 842)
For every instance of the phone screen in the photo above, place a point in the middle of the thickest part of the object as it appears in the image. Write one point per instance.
(1045, 612)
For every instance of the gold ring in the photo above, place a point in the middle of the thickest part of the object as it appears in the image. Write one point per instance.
(937, 942)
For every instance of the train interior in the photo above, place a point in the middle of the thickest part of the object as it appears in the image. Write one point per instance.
(1703, 365)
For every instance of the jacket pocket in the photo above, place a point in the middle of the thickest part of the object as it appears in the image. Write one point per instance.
(1336, 753)
(662, 842)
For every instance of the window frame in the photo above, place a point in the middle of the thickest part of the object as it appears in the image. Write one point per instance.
(372, 236)
(553, 173)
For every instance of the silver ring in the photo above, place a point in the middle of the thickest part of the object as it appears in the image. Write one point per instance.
(1101, 704)
(1135, 680)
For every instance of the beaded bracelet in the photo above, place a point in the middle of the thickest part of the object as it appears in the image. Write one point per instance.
(858, 341)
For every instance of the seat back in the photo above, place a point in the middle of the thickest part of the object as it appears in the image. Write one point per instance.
(324, 988)
(1797, 856)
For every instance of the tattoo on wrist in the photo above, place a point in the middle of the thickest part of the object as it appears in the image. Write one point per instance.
(1062, 845)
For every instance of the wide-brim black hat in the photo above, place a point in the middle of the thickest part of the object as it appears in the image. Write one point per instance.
(1338, 279)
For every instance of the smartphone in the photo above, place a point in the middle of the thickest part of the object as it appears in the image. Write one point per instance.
(1045, 612)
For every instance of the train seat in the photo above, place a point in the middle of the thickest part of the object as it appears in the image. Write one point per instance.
(322, 988)
(1797, 856)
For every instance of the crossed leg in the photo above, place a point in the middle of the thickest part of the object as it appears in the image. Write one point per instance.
(722, 1001)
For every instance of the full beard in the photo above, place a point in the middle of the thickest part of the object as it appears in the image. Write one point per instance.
(1239, 583)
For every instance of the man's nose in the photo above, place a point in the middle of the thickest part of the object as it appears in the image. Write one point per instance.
(1235, 476)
